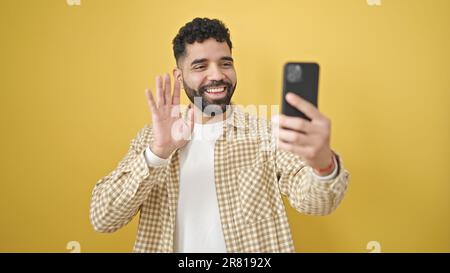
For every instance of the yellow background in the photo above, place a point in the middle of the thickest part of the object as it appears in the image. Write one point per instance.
(72, 97)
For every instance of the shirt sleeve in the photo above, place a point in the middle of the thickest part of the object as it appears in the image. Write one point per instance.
(306, 191)
(331, 176)
(118, 196)
(154, 160)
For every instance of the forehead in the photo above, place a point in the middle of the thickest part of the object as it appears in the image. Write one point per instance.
(209, 49)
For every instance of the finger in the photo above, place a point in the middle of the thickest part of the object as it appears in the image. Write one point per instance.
(293, 137)
(176, 93)
(167, 89)
(294, 123)
(175, 111)
(191, 119)
(159, 92)
(285, 146)
(150, 100)
(303, 105)
(188, 125)
(298, 150)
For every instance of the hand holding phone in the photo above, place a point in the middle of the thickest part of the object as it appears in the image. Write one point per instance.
(307, 135)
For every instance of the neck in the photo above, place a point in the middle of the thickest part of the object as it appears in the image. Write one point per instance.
(202, 118)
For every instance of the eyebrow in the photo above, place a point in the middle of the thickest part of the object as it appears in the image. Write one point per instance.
(197, 61)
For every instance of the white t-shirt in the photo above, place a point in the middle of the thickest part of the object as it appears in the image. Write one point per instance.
(198, 227)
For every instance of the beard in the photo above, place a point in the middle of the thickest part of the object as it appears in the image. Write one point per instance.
(209, 106)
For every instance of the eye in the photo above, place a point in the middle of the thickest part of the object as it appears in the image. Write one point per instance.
(199, 67)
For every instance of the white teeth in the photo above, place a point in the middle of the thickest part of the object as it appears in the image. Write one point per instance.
(215, 90)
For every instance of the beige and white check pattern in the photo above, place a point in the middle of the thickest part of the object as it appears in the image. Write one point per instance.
(250, 176)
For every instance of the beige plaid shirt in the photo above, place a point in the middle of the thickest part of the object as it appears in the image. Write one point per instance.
(250, 177)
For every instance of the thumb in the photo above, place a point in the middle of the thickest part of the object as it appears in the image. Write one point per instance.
(191, 119)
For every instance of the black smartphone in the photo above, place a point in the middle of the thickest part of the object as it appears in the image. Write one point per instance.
(303, 80)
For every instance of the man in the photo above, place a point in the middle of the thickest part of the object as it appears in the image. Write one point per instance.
(204, 181)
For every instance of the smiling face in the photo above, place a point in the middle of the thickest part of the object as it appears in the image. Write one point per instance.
(208, 75)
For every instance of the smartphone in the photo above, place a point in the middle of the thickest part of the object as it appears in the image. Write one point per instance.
(303, 80)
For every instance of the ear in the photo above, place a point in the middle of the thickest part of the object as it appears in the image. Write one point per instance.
(177, 75)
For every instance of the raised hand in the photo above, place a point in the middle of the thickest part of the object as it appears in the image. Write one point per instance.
(170, 131)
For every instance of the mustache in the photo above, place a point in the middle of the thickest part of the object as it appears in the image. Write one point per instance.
(215, 84)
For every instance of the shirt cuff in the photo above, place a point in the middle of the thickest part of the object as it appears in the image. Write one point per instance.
(332, 175)
(154, 160)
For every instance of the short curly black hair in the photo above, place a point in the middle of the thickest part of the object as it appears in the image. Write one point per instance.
(198, 30)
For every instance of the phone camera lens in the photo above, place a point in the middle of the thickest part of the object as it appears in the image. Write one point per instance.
(294, 73)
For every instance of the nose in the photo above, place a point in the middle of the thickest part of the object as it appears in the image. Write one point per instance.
(215, 73)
